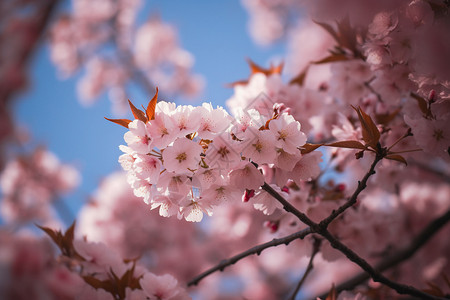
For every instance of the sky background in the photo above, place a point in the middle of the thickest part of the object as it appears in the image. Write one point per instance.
(215, 32)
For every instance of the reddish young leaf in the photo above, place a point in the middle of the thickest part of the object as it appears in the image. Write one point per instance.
(150, 111)
(370, 132)
(56, 236)
(254, 68)
(347, 144)
(331, 58)
(137, 113)
(423, 104)
(332, 295)
(307, 148)
(300, 78)
(121, 122)
(397, 157)
(386, 118)
(330, 30)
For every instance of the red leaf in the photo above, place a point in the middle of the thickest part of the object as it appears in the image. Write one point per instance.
(347, 144)
(121, 122)
(150, 111)
(423, 104)
(307, 148)
(332, 295)
(370, 132)
(330, 30)
(254, 68)
(397, 157)
(331, 58)
(300, 78)
(137, 113)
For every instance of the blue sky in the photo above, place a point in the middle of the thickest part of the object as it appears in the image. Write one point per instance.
(215, 32)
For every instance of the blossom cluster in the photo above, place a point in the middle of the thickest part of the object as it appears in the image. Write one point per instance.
(29, 268)
(102, 35)
(30, 184)
(187, 160)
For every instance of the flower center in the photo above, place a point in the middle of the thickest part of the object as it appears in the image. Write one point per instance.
(181, 157)
(438, 134)
(223, 151)
(258, 146)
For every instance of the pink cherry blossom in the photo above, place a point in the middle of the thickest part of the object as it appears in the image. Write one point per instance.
(183, 156)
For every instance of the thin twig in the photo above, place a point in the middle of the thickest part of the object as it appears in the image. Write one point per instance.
(352, 200)
(399, 256)
(315, 250)
(289, 207)
(254, 250)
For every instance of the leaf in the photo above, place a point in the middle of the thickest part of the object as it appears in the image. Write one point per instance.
(56, 236)
(96, 283)
(347, 35)
(150, 111)
(121, 122)
(64, 242)
(423, 104)
(397, 157)
(300, 78)
(434, 290)
(387, 117)
(329, 29)
(239, 82)
(370, 132)
(307, 148)
(254, 68)
(137, 113)
(348, 144)
(332, 295)
(331, 58)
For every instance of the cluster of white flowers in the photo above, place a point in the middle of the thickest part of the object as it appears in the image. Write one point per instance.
(186, 160)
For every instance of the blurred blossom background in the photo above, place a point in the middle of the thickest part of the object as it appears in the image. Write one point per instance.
(58, 110)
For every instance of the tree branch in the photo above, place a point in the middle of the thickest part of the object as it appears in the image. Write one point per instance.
(376, 276)
(254, 250)
(401, 255)
(289, 207)
(335, 243)
(352, 200)
(315, 250)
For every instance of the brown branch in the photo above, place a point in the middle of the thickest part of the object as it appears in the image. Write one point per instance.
(374, 274)
(401, 255)
(315, 250)
(289, 207)
(335, 243)
(352, 200)
(254, 250)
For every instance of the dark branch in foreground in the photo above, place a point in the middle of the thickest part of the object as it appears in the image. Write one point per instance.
(315, 250)
(254, 250)
(321, 229)
(399, 256)
(352, 200)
